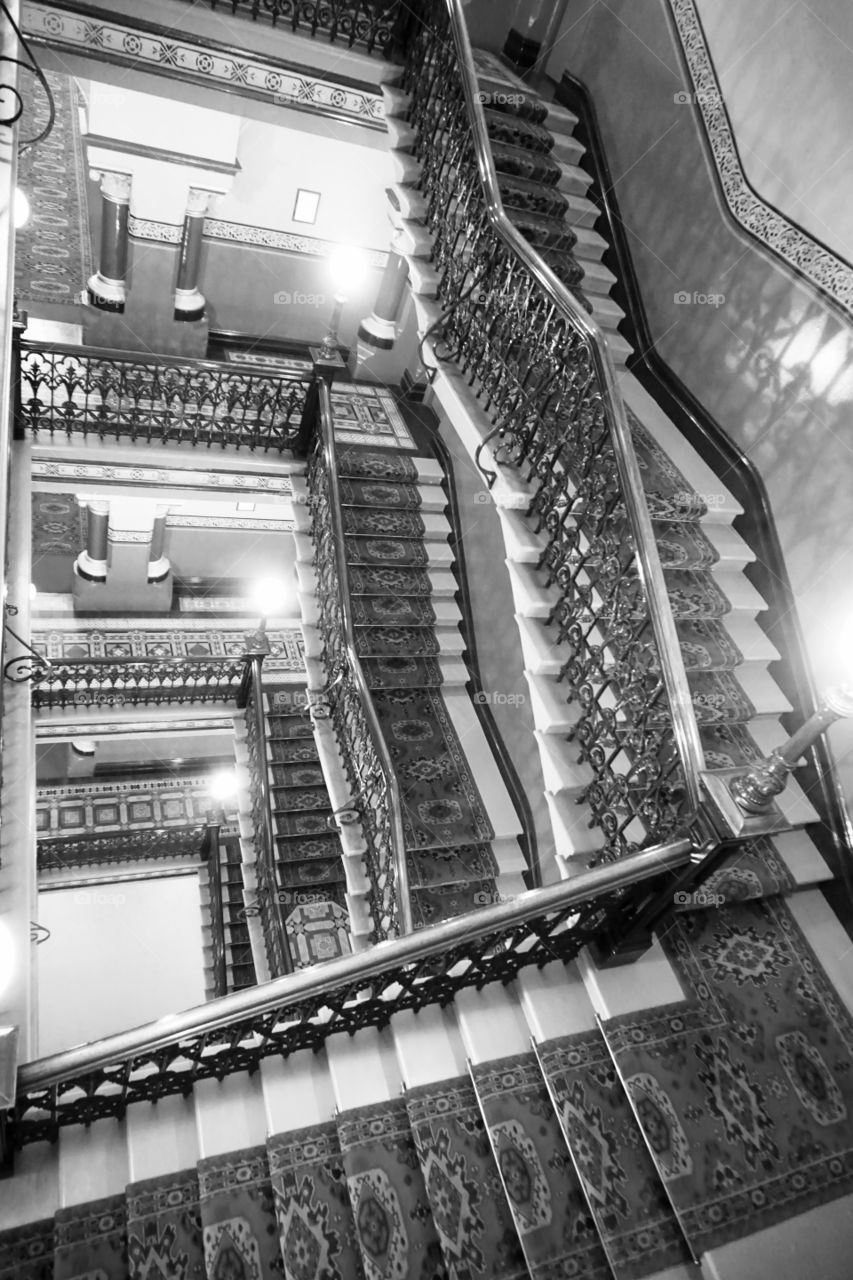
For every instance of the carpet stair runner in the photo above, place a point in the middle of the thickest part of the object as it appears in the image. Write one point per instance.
(239, 962)
(619, 1147)
(310, 867)
(736, 701)
(400, 566)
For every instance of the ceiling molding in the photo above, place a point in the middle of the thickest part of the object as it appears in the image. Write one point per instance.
(246, 234)
(144, 46)
(131, 473)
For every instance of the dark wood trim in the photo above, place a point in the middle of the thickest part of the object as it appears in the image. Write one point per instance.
(818, 777)
(160, 153)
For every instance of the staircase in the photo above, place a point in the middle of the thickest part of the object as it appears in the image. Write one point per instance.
(460, 828)
(717, 611)
(309, 862)
(514, 1133)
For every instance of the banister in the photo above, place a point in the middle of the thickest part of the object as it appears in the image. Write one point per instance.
(398, 849)
(272, 1000)
(685, 727)
(210, 853)
(29, 346)
(275, 934)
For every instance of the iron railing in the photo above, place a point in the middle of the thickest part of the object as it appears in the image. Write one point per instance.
(542, 370)
(370, 770)
(267, 905)
(56, 853)
(156, 399)
(299, 1011)
(211, 855)
(374, 26)
(89, 682)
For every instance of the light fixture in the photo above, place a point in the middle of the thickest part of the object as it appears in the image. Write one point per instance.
(269, 597)
(348, 268)
(222, 785)
(20, 209)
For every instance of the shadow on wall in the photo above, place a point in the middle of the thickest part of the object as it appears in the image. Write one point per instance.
(758, 347)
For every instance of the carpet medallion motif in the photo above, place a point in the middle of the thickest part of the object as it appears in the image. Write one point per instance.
(744, 1089)
(315, 1223)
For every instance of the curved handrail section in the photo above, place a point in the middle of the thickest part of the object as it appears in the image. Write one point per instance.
(367, 758)
(400, 973)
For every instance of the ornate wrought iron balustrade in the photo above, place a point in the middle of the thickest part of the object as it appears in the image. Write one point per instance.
(267, 905)
(374, 26)
(301, 1010)
(365, 754)
(109, 682)
(541, 370)
(56, 853)
(216, 910)
(156, 400)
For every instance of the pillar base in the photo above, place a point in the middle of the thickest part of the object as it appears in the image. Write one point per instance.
(89, 569)
(378, 333)
(106, 294)
(189, 304)
(159, 570)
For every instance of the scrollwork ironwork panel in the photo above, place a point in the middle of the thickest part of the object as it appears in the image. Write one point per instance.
(93, 682)
(373, 25)
(267, 904)
(370, 780)
(156, 400)
(534, 372)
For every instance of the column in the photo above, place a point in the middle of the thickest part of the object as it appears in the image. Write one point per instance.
(107, 288)
(189, 301)
(379, 329)
(158, 564)
(91, 563)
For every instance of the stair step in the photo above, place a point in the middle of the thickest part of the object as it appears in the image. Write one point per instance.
(582, 212)
(574, 181)
(606, 312)
(596, 277)
(590, 247)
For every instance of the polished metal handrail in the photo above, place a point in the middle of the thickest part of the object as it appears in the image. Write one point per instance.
(685, 727)
(398, 850)
(268, 1004)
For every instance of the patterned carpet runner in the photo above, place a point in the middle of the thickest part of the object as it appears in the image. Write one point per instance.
(447, 830)
(53, 254)
(309, 859)
(614, 1152)
(744, 1091)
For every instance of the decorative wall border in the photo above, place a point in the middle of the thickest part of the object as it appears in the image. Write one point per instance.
(799, 251)
(169, 477)
(148, 47)
(69, 729)
(246, 233)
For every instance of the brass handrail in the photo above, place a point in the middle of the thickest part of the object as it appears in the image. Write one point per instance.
(398, 851)
(352, 972)
(685, 727)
